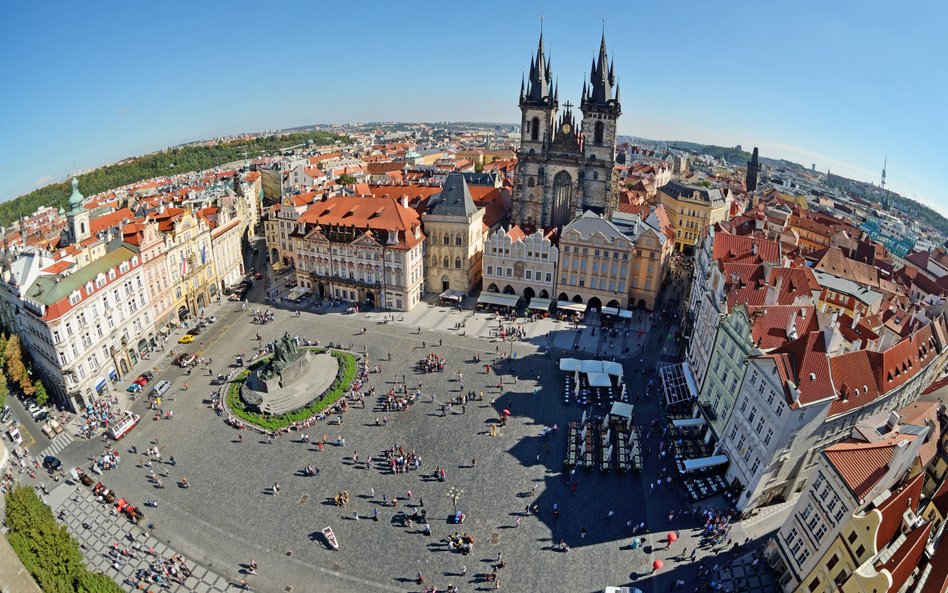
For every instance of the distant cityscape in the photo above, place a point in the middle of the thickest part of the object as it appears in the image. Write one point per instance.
(765, 342)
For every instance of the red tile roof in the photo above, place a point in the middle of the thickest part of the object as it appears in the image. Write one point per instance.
(727, 247)
(837, 264)
(851, 372)
(769, 324)
(106, 221)
(861, 465)
(793, 283)
(907, 558)
(811, 369)
(906, 497)
(901, 362)
(937, 581)
(940, 498)
(366, 213)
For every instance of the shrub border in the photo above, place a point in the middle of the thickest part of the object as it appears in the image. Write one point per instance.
(345, 375)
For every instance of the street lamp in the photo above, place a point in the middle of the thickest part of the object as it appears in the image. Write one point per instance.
(454, 494)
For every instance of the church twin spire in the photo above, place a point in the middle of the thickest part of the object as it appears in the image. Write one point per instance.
(540, 88)
(602, 80)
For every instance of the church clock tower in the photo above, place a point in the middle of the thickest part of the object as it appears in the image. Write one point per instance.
(601, 110)
(538, 106)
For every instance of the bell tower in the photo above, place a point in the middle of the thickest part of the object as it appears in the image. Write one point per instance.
(78, 217)
(538, 105)
(601, 109)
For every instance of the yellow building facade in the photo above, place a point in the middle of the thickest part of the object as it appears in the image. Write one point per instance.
(690, 210)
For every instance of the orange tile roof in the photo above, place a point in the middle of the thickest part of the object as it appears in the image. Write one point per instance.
(793, 282)
(810, 366)
(937, 581)
(861, 465)
(769, 323)
(384, 214)
(837, 264)
(852, 371)
(901, 362)
(728, 247)
(252, 176)
(58, 267)
(903, 563)
(100, 223)
(907, 496)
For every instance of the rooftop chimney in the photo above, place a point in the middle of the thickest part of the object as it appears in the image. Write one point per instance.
(856, 317)
(893, 421)
(792, 326)
(404, 201)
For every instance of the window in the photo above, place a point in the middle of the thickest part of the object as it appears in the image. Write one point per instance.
(534, 126)
(598, 133)
(457, 241)
(447, 240)
(490, 270)
(769, 436)
(445, 263)
(457, 263)
(860, 551)
(852, 537)
(549, 277)
(814, 584)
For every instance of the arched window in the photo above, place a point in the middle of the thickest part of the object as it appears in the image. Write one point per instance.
(447, 239)
(535, 129)
(457, 263)
(531, 182)
(562, 198)
(600, 129)
(457, 240)
(446, 262)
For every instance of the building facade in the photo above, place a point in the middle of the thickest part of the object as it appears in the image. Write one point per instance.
(691, 209)
(366, 251)
(515, 263)
(455, 244)
(595, 258)
(86, 329)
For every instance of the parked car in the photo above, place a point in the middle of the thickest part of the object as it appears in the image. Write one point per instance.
(52, 463)
(42, 416)
(38, 412)
(210, 319)
(162, 388)
(194, 331)
(186, 339)
(147, 376)
(134, 387)
(15, 436)
(52, 428)
(258, 276)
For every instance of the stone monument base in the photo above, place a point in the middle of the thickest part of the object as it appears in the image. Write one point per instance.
(301, 382)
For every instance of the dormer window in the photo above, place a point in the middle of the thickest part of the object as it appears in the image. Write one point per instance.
(112, 274)
(123, 267)
(74, 298)
(88, 288)
(392, 237)
(134, 260)
(100, 281)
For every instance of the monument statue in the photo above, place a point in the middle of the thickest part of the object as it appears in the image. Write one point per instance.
(285, 352)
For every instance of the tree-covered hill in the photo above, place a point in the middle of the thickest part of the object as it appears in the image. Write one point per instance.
(166, 162)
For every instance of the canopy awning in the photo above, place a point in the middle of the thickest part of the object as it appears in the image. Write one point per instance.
(621, 409)
(613, 368)
(277, 266)
(682, 423)
(453, 295)
(704, 462)
(540, 304)
(568, 306)
(609, 311)
(601, 366)
(599, 379)
(625, 314)
(570, 364)
(297, 293)
(497, 298)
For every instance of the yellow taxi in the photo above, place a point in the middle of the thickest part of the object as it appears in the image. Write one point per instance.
(186, 339)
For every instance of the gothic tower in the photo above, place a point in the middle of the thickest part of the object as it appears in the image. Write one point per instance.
(601, 111)
(753, 172)
(538, 106)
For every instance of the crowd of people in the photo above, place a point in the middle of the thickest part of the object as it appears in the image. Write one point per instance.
(101, 413)
(432, 363)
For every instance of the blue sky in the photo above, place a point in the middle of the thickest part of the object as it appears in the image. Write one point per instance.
(840, 84)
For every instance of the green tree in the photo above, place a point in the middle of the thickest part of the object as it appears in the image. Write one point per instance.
(4, 389)
(46, 549)
(13, 356)
(479, 166)
(3, 349)
(345, 179)
(26, 383)
(39, 392)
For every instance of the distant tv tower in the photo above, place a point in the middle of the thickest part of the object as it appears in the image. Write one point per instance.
(884, 163)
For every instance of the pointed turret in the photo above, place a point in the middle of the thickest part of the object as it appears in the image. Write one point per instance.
(522, 86)
(601, 80)
(538, 87)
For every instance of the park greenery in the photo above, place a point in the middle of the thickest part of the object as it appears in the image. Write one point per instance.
(47, 550)
(171, 161)
(344, 378)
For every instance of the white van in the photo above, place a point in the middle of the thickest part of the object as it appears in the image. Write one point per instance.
(15, 436)
(162, 388)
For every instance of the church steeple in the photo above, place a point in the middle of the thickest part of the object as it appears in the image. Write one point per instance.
(602, 79)
(540, 80)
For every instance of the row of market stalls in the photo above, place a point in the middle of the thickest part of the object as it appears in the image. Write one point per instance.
(607, 443)
(693, 445)
(599, 381)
